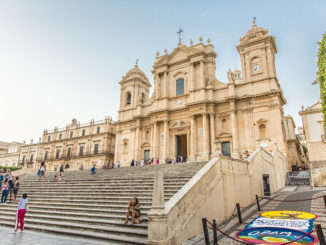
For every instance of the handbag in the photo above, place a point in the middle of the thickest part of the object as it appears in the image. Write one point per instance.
(39, 172)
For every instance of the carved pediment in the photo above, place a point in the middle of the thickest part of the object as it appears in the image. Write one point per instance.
(225, 135)
(145, 144)
(261, 121)
(179, 124)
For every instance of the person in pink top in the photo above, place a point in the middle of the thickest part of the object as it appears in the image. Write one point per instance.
(158, 161)
(4, 192)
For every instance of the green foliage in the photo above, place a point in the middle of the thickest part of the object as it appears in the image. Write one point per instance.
(321, 74)
(11, 168)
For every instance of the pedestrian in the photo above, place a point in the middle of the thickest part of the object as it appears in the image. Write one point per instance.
(118, 164)
(149, 161)
(42, 171)
(132, 164)
(142, 162)
(93, 169)
(81, 168)
(16, 188)
(4, 192)
(1, 177)
(11, 187)
(61, 170)
(157, 161)
(21, 211)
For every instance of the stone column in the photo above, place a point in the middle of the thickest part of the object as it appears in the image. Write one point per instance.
(212, 124)
(193, 132)
(202, 76)
(205, 137)
(235, 142)
(152, 142)
(166, 87)
(166, 139)
(193, 77)
(137, 144)
(155, 141)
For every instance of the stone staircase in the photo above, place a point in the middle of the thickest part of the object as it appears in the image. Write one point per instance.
(94, 206)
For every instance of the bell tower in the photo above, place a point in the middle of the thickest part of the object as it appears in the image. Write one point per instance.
(257, 50)
(134, 92)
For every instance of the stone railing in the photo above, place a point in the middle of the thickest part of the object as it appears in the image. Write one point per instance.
(212, 193)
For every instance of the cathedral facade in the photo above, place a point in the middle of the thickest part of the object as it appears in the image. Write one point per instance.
(192, 114)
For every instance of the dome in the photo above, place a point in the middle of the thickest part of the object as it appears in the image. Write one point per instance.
(134, 73)
(254, 33)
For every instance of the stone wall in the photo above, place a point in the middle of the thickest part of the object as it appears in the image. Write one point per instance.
(213, 193)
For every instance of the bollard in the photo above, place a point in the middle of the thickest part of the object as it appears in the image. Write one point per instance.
(257, 201)
(214, 232)
(205, 231)
(320, 234)
(325, 200)
(239, 213)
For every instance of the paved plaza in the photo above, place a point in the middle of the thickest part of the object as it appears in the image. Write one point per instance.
(289, 193)
(316, 206)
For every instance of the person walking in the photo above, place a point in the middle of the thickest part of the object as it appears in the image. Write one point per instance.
(157, 161)
(16, 188)
(42, 171)
(142, 162)
(1, 178)
(61, 170)
(21, 211)
(4, 192)
(118, 164)
(11, 186)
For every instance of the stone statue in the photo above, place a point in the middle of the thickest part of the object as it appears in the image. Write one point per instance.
(230, 76)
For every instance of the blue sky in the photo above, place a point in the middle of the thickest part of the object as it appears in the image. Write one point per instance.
(61, 59)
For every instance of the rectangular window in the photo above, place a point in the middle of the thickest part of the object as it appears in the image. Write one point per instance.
(31, 158)
(98, 130)
(81, 150)
(23, 159)
(46, 155)
(83, 132)
(57, 154)
(95, 148)
(69, 152)
(60, 136)
(71, 134)
(226, 150)
(180, 86)
(49, 138)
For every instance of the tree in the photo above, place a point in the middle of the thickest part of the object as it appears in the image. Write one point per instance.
(321, 74)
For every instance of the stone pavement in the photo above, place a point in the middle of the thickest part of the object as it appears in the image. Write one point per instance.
(289, 193)
(36, 238)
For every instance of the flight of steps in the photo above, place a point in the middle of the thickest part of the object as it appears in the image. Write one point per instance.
(94, 206)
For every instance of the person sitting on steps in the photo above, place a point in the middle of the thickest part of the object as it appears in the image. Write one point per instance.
(93, 169)
(133, 211)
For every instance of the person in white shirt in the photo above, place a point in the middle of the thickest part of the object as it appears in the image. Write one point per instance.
(21, 211)
(142, 162)
(118, 164)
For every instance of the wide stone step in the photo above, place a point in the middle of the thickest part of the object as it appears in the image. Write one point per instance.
(96, 192)
(89, 209)
(95, 198)
(102, 187)
(109, 216)
(80, 225)
(94, 195)
(90, 202)
(119, 239)
(79, 205)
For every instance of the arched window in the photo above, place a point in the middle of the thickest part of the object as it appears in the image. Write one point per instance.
(262, 131)
(128, 98)
(255, 64)
(180, 86)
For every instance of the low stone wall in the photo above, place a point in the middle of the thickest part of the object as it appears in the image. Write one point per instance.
(318, 173)
(213, 193)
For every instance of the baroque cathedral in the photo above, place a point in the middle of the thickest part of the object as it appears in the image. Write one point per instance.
(192, 114)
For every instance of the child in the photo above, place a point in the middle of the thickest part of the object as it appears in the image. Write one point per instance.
(21, 211)
(4, 192)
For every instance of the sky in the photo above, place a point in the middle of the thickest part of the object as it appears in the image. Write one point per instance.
(64, 59)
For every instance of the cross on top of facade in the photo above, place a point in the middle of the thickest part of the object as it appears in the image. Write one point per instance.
(179, 33)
